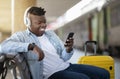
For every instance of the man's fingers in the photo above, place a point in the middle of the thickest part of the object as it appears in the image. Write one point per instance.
(39, 52)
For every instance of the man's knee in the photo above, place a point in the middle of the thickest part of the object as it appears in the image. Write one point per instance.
(69, 75)
(106, 74)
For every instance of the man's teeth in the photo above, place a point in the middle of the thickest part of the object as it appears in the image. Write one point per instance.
(42, 29)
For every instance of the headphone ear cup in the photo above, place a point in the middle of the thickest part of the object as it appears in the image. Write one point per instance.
(27, 21)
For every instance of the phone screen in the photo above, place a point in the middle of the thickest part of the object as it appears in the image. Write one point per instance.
(70, 35)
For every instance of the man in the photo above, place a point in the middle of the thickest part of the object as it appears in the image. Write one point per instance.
(46, 54)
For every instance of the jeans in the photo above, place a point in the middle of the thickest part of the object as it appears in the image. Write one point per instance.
(80, 71)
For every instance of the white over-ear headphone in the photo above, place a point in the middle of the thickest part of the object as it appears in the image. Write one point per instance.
(27, 21)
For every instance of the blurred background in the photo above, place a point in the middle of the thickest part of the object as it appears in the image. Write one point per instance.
(97, 20)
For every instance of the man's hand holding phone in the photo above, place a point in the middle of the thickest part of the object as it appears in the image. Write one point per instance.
(69, 42)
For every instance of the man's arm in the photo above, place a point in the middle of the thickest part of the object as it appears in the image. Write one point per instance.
(14, 44)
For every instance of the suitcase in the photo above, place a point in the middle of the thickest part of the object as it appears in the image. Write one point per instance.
(106, 62)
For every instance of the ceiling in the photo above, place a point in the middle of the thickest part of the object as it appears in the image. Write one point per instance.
(56, 8)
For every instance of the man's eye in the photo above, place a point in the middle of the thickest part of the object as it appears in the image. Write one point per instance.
(39, 23)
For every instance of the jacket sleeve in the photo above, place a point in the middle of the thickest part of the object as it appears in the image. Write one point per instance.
(14, 44)
(66, 56)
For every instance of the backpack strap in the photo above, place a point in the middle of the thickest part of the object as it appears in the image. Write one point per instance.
(3, 66)
(4, 73)
(25, 58)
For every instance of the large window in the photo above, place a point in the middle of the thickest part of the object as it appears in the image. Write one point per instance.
(115, 16)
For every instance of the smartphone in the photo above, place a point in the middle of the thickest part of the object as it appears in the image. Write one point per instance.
(70, 35)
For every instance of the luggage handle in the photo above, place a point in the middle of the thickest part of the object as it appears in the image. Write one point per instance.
(92, 42)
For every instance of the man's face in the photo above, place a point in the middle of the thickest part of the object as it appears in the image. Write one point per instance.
(38, 24)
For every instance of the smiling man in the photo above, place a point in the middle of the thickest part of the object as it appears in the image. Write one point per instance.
(46, 54)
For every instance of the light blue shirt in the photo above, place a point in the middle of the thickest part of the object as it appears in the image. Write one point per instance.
(19, 42)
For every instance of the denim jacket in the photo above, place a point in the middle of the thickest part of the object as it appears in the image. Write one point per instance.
(19, 42)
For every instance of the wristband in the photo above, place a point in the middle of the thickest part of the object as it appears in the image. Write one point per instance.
(31, 46)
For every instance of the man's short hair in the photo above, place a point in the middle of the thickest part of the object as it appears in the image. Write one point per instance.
(36, 11)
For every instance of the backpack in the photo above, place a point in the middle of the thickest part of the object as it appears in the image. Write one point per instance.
(19, 60)
(3, 68)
